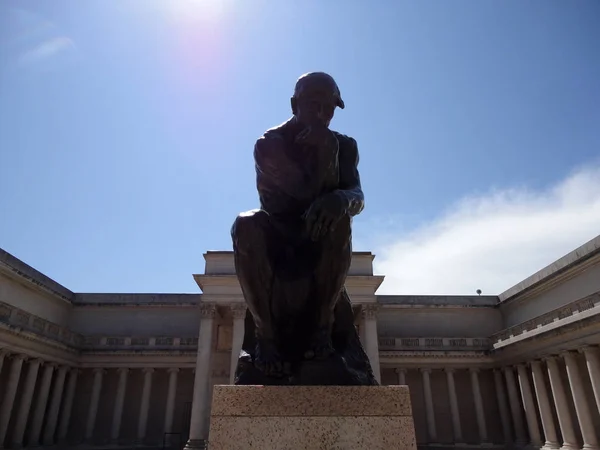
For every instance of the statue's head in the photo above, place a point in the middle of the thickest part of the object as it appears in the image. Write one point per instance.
(316, 96)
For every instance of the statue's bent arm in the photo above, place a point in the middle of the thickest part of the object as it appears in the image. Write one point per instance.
(275, 176)
(350, 189)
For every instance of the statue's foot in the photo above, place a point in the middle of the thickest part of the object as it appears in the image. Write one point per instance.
(321, 346)
(268, 360)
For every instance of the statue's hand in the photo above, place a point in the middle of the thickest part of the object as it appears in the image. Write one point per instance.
(324, 214)
(317, 135)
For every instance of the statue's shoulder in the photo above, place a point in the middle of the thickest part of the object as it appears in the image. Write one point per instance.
(276, 132)
(347, 144)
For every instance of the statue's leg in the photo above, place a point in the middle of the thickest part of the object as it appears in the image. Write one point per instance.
(330, 276)
(250, 233)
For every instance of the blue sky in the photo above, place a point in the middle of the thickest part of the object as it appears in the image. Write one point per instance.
(127, 129)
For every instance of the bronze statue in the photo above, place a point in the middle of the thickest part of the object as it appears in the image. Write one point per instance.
(293, 254)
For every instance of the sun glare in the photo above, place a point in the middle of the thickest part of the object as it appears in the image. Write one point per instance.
(200, 9)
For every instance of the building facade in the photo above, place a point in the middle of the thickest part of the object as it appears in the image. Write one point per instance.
(521, 369)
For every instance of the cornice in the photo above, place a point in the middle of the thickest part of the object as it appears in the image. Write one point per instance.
(546, 283)
(572, 312)
(28, 280)
(188, 305)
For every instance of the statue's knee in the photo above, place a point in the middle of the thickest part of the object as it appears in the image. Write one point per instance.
(248, 226)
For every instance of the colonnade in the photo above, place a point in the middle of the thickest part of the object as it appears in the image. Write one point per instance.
(429, 401)
(144, 409)
(527, 403)
(54, 408)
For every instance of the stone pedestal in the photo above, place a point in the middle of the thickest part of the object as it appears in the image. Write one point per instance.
(311, 417)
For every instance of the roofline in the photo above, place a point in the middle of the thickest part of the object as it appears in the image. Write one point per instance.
(230, 252)
(439, 300)
(15, 268)
(560, 268)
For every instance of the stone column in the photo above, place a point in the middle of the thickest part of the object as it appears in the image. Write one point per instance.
(481, 425)
(145, 404)
(93, 410)
(119, 401)
(238, 311)
(9, 394)
(170, 407)
(40, 406)
(65, 417)
(456, 427)
(199, 422)
(369, 314)
(502, 406)
(25, 404)
(401, 376)
(528, 403)
(515, 407)
(430, 412)
(544, 404)
(3, 353)
(592, 359)
(582, 407)
(50, 427)
(563, 412)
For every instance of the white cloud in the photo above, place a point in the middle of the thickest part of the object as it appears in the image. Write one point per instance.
(47, 49)
(493, 241)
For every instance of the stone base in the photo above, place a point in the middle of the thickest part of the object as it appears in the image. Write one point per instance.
(311, 417)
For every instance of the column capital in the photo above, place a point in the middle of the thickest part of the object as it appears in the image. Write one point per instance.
(147, 370)
(449, 369)
(208, 310)
(425, 370)
(99, 370)
(19, 356)
(173, 370)
(474, 369)
(400, 370)
(124, 370)
(589, 349)
(369, 310)
(238, 310)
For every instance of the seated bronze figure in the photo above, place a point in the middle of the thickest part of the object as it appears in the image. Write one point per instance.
(293, 254)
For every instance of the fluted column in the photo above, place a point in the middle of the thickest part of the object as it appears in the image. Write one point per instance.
(563, 412)
(145, 404)
(200, 399)
(94, 401)
(3, 353)
(369, 314)
(582, 407)
(238, 311)
(401, 376)
(9, 394)
(52, 420)
(65, 416)
(40, 406)
(544, 405)
(119, 401)
(592, 359)
(429, 411)
(25, 404)
(515, 407)
(171, 394)
(481, 425)
(502, 406)
(532, 422)
(456, 426)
